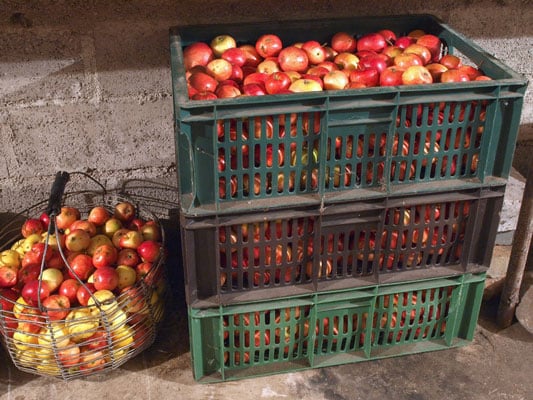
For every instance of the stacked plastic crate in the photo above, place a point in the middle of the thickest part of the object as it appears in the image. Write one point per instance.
(332, 227)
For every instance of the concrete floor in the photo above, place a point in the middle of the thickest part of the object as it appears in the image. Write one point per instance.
(495, 365)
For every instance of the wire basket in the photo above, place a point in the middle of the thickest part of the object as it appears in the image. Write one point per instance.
(72, 308)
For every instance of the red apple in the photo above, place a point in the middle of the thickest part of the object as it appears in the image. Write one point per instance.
(105, 255)
(69, 356)
(85, 225)
(404, 41)
(98, 341)
(436, 70)
(137, 223)
(329, 65)
(128, 257)
(292, 58)
(105, 278)
(343, 42)
(316, 53)
(197, 53)
(268, 45)
(277, 82)
(471, 71)
(84, 293)
(317, 71)
(235, 55)
(450, 61)
(205, 95)
(81, 265)
(368, 77)
(143, 270)
(92, 361)
(388, 35)
(405, 60)
(8, 298)
(254, 89)
(131, 239)
(237, 74)
(371, 41)
(224, 91)
(391, 76)
(32, 226)
(149, 250)
(28, 273)
(252, 56)
(151, 231)
(30, 320)
(67, 216)
(454, 75)
(219, 44)
(28, 259)
(45, 219)
(375, 61)
(423, 52)
(98, 215)
(124, 211)
(8, 276)
(69, 288)
(433, 43)
(203, 82)
(34, 291)
(56, 306)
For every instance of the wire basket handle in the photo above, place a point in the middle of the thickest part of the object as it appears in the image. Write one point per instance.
(56, 193)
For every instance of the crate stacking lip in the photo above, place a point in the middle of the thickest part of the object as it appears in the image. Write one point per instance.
(248, 257)
(333, 328)
(277, 151)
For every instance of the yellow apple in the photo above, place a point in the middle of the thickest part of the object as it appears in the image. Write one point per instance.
(24, 340)
(53, 243)
(81, 324)
(55, 336)
(30, 241)
(96, 241)
(122, 340)
(305, 85)
(126, 276)
(10, 258)
(49, 367)
(19, 307)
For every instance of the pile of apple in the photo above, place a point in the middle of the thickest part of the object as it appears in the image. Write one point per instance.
(86, 298)
(405, 316)
(269, 253)
(224, 68)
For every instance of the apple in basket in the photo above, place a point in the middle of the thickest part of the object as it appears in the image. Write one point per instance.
(98, 215)
(149, 250)
(31, 226)
(125, 211)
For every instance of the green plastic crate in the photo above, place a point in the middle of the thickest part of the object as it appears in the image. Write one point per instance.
(239, 258)
(347, 144)
(333, 328)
